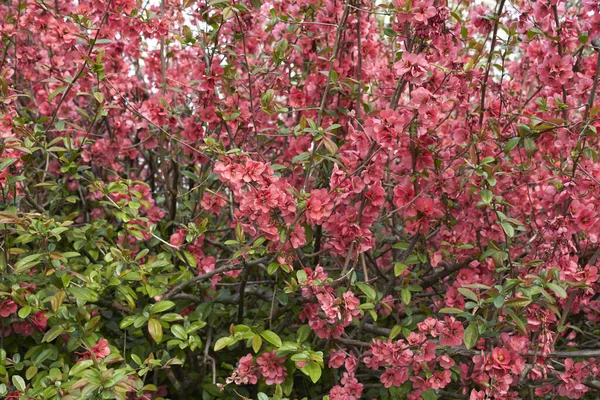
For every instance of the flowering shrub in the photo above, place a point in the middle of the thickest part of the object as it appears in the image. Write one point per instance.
(299, 199)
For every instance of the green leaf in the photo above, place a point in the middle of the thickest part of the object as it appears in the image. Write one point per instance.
(56, 92)
(520, 324)
(468, 293)
(6, 162)
(141, 254)
(155, 330)
(301, 275)
(26, 263)
(53, 333)
(302, 333)
(59, 125)
(399, 268)
(405, 295)
(471, 335)
(450, 310)
(127, 321)
(170, 317)
(99, 97)
(256, 343)
(223, 342)
(31, 372)
(530, 146)
(313, 370)
(43, 356)
(271, 337)
(80, 367)
(518, 302)
(24, 312)
(179, 332)
(301, 157)
(429, 394)
(557, 289)
(195, 326)
(161, 307)
(486, 196)
(508, 229)
(18, 382)
(487, 160)
(368, 290)
(511, 144)
(395, 331)
(499, 301)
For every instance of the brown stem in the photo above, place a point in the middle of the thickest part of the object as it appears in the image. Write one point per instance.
(489, 63)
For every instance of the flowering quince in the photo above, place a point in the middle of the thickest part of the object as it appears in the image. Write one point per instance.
(414, 66)
(99, 350)
(451, 332)
(318, 206)
(7, 307)
(183, 182)
(246, 373)
(271, 369)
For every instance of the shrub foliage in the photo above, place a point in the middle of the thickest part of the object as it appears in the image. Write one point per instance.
(299, 199)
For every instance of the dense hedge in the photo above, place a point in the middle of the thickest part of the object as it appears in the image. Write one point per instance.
(299, 199)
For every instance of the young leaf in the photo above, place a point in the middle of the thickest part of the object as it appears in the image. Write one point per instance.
(368, 290)
(557, 289)
(313, 370)
(223, 342)
(471, 335)
(271, 337)
(161, 307)
(155, 330)
(256, 343)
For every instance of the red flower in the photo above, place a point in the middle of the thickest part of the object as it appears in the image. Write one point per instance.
(318, 206)
(101, 349)
(7, 307)
(452, 332)
(271, 368)
(501, 357)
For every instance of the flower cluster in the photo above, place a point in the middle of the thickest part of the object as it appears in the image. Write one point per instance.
(330, 314)
(268, 365)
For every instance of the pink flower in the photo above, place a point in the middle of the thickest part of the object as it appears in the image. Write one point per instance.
(466, 276)
(246, 372)
(575, 373)
(40, 320)
(7, 307)
(426, 353)
(272, 368)
(212, 203)
(298, 236)
(429, 326)
(424, 205)
(101, 349)
(501, 357)
(177, 238)
(394, 376)
(253, 171)
(403, 193)
(452, 332)
(440, 380)
(318, 206)
(556, 70)
(413, 67)
(585, 217)
(477, 395)
(445, 361)
(336, 358)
